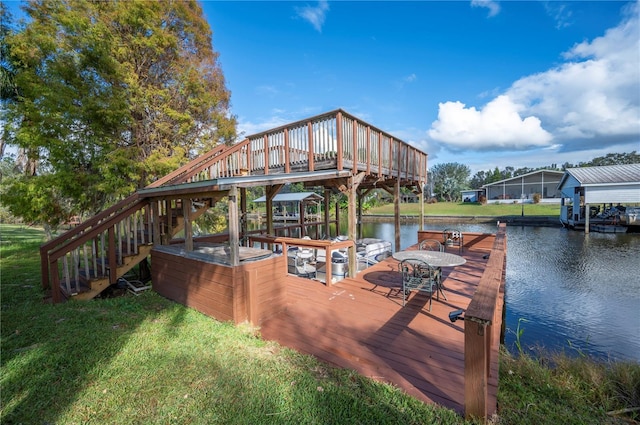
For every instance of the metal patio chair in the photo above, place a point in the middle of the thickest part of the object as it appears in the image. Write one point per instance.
(453, 237)
(417, 275)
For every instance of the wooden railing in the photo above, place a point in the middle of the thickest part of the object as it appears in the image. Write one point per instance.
(334, 140)
(87, 252)
(85, 260)
(480, 335)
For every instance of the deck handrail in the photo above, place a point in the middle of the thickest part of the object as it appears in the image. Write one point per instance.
(479, 333)
(305, 145)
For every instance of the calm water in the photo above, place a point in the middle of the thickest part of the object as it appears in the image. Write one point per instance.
(570, 291)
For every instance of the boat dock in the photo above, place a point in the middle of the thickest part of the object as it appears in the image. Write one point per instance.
(359, 323)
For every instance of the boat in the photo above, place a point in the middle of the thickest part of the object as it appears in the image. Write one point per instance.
(631, 217)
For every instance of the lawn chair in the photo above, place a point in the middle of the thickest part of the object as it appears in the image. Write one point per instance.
(433, 245)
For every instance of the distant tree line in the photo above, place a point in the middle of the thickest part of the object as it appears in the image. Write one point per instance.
(447, 180)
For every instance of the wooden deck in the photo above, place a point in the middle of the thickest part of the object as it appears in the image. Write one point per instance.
(360, 324)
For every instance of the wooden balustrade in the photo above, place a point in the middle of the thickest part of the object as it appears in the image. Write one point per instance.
(332, 140)
(480, 336)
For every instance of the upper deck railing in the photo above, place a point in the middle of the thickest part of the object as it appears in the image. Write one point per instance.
(334, 140)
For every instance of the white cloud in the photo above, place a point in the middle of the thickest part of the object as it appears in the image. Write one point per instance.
(314, 15)
(590, 101)
(267, 90)
(493, 6)
(410, 78)
(560, 12)
(497, 125)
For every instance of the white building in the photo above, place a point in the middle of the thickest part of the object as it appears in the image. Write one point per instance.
(583, 187)
(522, 188)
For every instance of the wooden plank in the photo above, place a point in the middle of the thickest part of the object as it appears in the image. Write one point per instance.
(356, 324)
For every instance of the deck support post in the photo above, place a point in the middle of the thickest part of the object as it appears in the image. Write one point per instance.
(270, 192)
(421, 200)
(327, 217)
(396, 213)
(155, 206)
(112, 257)
(243, 212)
(188, 229)
(169, 203)
(351, 222)
(234, 239)
(359, 195)
(586, 218)
(476, 368)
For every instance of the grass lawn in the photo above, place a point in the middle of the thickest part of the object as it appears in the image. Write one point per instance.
(147, 360)
(471, 209)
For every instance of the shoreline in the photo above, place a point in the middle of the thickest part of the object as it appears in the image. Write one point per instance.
(537, 221)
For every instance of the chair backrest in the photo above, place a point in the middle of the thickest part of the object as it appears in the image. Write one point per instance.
(417, 274)
(431, 245)
(453, 237)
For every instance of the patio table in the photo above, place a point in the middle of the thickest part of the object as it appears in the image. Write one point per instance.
(434, 259)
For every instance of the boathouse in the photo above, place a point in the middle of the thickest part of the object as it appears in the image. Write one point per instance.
(586, 187)
(295, 207)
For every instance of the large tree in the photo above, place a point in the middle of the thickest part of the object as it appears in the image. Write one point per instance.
(111, 95)
(449, 179)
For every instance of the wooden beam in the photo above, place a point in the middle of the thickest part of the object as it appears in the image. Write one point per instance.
(312, 166)
(188, 229)
(421, 200)
(396, 214)
(287, 159)
(359, 219)
(339, 135)
(169, 203)
(327, 217)
(243, 211)
(265, 144)
(301, 219)
(475, 369)
(368, 148)
(270, 193)
(356, 158)
(351, 223)
(234, 233)
(112, 258)
(56, 293)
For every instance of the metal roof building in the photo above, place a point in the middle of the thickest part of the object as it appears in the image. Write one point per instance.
(293, 197)
(604, 184)
(522, 188)
(585, 187)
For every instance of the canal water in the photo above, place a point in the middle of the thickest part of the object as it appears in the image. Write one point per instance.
(568, 291)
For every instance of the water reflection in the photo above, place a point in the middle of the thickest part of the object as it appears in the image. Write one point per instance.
(577, 292)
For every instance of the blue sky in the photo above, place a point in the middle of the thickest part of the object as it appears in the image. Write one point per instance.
(482, 83)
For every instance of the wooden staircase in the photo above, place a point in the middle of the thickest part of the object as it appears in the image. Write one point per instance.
(78, 263)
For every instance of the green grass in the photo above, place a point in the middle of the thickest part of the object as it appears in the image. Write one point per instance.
(146, 360)
(470, 209)
(556, 389)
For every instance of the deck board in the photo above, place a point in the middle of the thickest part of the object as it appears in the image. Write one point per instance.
(359, 323)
